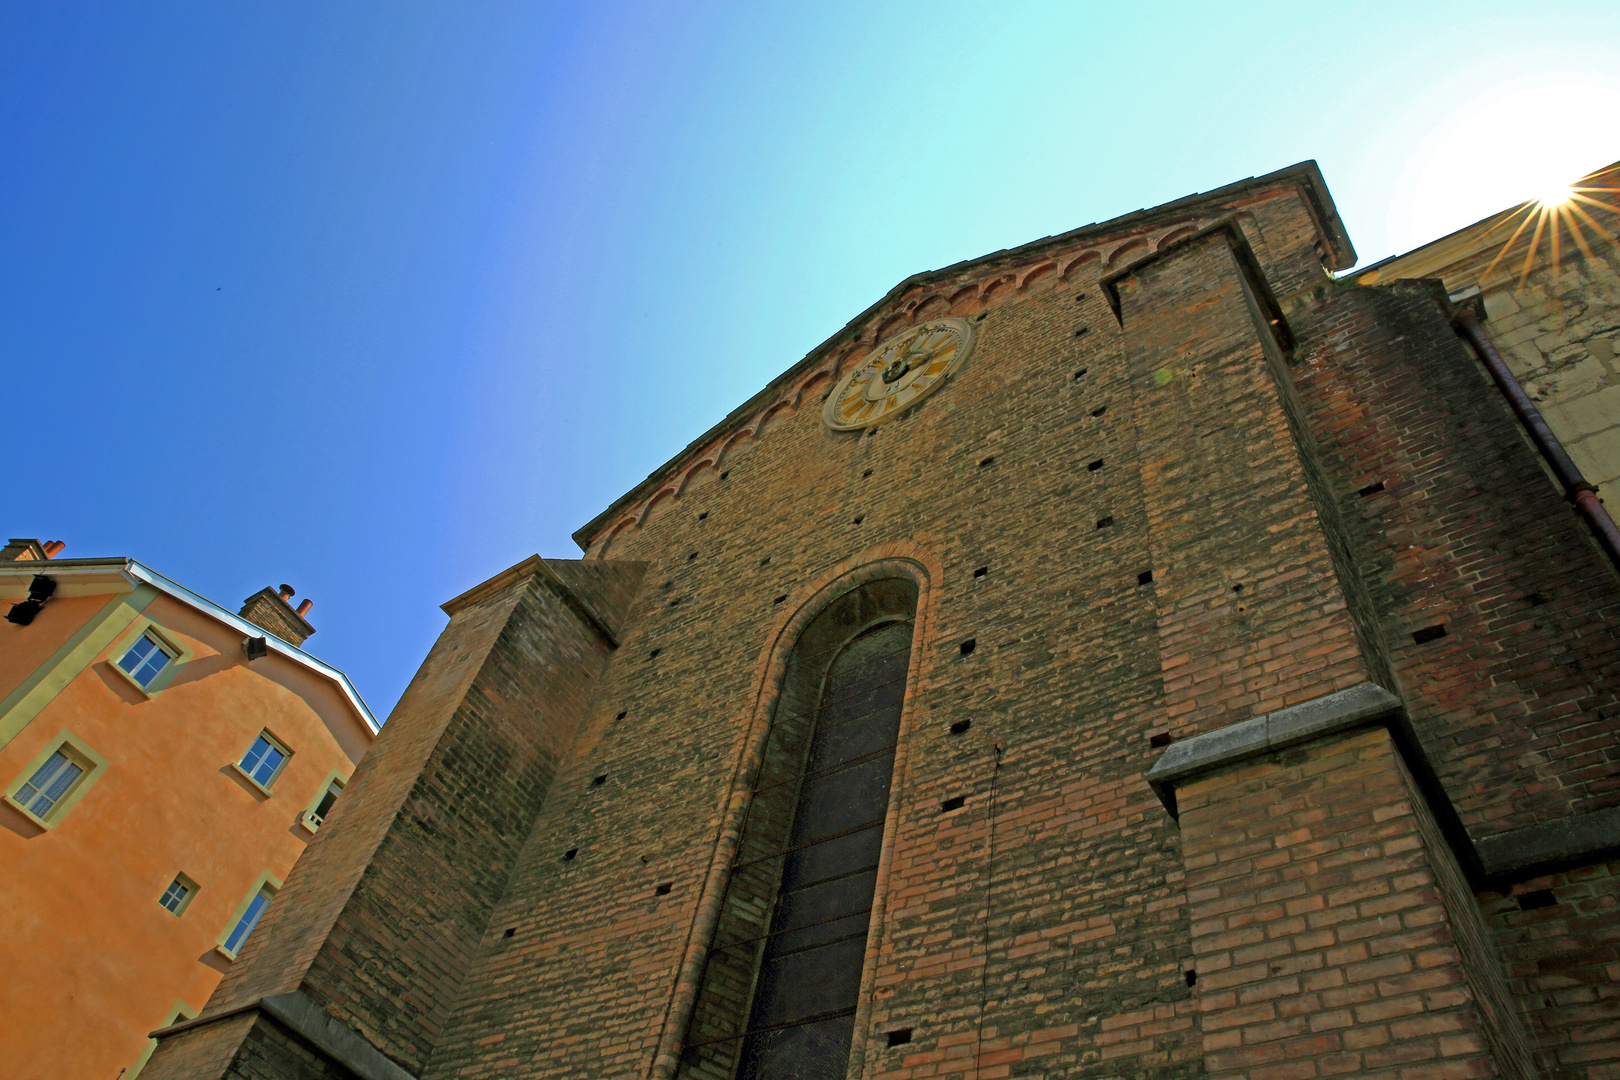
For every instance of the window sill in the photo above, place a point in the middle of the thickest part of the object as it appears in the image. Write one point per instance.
(244, 774)
(127, 677)
(309, 821)
(27, 813)
(229, 957)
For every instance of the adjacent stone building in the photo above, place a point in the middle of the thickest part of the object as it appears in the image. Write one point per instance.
(1133, 654)
(163, 763)
(1547, 280)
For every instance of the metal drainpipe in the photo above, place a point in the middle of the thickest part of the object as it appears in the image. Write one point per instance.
(1577, 488)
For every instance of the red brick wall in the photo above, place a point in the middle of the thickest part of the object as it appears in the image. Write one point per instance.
(1517, 704)
(377, 920)
(1251, 613)
(1322, 938)
(1563, 963)
(271, 1052)
(1045, 927)
(200, 1052)
(1084, 896)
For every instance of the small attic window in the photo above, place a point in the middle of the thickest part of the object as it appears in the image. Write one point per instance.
(146, 659)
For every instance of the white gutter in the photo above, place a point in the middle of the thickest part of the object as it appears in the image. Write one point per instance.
(162, 584)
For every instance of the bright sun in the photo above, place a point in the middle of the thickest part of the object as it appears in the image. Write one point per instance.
(1563, 214)
(1546, 129)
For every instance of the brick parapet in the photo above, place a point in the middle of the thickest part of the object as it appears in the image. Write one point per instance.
(1252, 613)
(394, 962)
(204, 1051)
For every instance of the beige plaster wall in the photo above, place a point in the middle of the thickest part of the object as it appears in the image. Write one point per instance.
(1560, 334)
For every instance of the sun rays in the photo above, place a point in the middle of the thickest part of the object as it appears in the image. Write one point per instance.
(1562, 215)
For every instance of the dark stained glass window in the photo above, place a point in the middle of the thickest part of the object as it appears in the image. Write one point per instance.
(782, 983)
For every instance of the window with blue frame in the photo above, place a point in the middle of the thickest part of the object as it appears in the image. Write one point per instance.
(146, 659)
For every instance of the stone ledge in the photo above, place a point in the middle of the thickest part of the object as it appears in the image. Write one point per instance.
(307, 1020)
(1574, 840)
(1337, 711)
(1488, 862)
(315, 1025)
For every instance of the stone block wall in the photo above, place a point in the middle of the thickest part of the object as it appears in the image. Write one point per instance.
(1560, 332)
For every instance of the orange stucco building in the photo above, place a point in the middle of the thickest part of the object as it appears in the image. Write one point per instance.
(163, 762)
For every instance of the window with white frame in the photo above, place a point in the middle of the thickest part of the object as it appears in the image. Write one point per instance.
(178, 894)
(264, 760)
(318, 815)
(51, 783)
(146, 659)
(248, 919)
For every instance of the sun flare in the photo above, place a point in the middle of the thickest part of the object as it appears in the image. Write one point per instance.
(1565, 214)
(1556, 196)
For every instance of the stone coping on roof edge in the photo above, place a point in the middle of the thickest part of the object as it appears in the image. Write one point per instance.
(1305, 175)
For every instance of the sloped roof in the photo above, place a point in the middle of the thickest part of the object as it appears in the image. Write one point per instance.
(1488, 234)
(137, 572)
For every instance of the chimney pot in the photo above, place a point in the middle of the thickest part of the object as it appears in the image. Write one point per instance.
(303, 609)
(288, 592)
(270, 611)
(54, 548)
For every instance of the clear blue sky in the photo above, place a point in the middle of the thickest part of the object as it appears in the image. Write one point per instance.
(377, 299)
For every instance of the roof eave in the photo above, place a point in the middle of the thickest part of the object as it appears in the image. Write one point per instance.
(139, 572)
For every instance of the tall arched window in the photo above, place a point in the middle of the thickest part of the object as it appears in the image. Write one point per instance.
(783, 975)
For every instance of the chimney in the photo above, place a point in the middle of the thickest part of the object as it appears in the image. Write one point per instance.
(20, 550)
(269, 610)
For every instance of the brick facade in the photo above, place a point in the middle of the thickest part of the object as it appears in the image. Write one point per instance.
(1147, 512)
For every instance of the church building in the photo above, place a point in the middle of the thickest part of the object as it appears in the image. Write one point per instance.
(1139, 653)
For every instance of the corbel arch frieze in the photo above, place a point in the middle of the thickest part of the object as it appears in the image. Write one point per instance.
(1078, 265)
(1118, 254)
(964, 296)
(622, 529)
(816, 383)
(918, 303)
(704, 472)
(1035, 274)
(662, 501)
(1173, 235)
